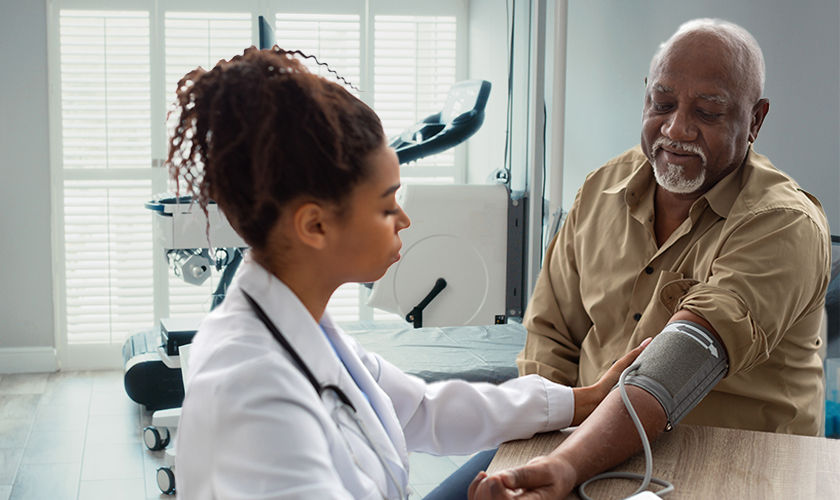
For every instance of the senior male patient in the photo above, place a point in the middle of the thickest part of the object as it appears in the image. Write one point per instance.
(697, 240)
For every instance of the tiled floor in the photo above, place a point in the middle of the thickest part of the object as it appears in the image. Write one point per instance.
(78, 436)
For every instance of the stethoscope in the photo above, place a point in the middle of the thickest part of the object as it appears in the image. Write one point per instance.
(344, 402)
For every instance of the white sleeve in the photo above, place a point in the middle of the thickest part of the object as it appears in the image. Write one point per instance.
(457, 417)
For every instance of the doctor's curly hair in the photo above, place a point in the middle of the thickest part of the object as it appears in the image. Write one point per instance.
(260, 130)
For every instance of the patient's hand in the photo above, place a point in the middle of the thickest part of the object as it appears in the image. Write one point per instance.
(542, 478)
(587, 398)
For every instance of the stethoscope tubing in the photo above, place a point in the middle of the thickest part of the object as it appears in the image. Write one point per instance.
(347, 405)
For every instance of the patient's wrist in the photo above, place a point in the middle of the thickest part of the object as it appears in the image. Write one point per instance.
(564, 473)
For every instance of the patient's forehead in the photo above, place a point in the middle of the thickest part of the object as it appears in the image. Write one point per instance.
(704, 60)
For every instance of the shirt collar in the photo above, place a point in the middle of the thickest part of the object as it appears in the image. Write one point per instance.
(635, 185)
(723, 194)
(720, 197)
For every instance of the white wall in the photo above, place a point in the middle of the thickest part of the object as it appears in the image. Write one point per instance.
(610, 43)
(488, 61)
(26, 299)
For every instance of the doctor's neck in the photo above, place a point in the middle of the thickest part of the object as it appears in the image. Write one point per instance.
(306, 277)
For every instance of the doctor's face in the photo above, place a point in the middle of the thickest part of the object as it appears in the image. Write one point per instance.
(368, 239)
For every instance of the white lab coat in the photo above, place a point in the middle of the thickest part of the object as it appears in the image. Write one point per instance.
(252, 426)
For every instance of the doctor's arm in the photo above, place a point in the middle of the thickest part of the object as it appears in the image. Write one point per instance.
(458, 417)
(604, 440)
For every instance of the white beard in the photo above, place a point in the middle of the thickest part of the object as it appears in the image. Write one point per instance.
(673, 179)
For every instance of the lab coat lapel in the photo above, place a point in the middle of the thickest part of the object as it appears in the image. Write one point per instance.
(380, 401)
(293, 320)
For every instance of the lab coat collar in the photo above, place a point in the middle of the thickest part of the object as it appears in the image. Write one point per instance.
(290, 316)
(305, 335)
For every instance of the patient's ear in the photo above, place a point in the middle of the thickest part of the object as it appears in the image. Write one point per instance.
(308, 225)
(759, 112)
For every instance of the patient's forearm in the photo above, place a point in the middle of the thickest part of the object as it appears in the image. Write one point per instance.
(608, 436)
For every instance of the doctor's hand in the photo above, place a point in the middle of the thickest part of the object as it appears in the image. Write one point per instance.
(589, 397)
(542, 478)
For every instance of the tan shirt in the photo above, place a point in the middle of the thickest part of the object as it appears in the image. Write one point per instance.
(752, 259)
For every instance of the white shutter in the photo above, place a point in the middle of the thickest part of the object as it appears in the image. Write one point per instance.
(106, 152)
(333, 38)
(414, 67)
(105, 89)
(194, 39)
(108, 255)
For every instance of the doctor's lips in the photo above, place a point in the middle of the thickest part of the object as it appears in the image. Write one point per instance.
(677, 148)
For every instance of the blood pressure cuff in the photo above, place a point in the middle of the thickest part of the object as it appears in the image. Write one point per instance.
(679, 367)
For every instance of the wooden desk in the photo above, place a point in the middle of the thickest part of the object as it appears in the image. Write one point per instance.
(712, 462)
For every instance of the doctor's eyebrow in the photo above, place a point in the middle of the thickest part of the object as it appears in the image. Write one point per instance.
(390, 190)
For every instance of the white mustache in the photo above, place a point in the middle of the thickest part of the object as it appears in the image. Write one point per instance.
(682, 147)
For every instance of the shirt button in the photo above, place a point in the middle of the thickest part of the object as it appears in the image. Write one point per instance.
(649, 270)
(637, 316)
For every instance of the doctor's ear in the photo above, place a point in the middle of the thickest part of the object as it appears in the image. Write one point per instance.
(308, 225)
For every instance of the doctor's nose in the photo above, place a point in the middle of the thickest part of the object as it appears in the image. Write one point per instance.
(403, 221)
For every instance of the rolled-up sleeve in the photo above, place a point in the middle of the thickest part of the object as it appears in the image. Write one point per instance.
(768, 273)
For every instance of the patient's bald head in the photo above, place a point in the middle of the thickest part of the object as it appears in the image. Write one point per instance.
(734, 44)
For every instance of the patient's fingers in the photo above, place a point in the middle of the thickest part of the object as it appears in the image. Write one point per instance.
(528, 477)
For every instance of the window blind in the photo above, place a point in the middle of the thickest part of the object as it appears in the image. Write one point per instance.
(106, 146)
(105, 89)
(414, 67)
(335, 39)
(107, 260)
(194, 39)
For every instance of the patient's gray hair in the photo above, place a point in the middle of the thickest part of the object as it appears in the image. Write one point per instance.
(744, 45)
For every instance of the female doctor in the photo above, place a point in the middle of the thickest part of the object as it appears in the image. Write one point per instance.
(281, 403)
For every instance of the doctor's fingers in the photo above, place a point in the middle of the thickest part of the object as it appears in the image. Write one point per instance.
(611, 376)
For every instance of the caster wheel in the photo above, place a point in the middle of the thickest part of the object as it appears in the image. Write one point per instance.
(153, 438)
(166, 480)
